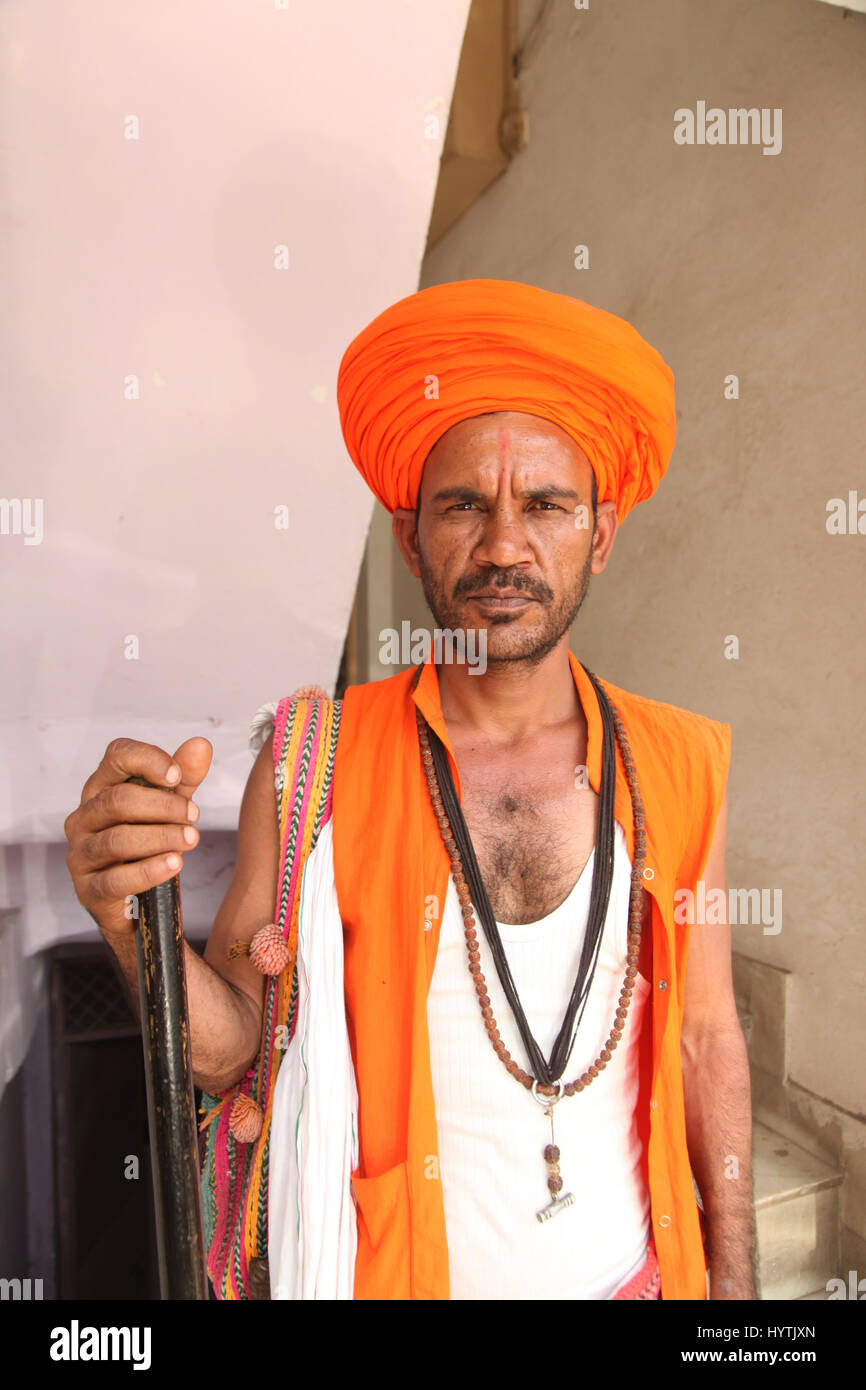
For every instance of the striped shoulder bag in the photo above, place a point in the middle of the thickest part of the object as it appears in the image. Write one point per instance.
(236, 1124)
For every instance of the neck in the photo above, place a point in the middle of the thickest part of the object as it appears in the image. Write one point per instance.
(512, 699)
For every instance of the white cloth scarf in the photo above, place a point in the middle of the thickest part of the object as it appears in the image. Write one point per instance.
(312, 1226)
(312, 1230)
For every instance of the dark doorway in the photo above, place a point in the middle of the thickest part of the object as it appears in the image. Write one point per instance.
(106, 1240)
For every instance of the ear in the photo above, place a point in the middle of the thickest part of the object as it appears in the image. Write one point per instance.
(406, 536)
(605, 534)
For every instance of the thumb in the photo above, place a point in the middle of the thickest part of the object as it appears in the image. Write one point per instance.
(194, 759)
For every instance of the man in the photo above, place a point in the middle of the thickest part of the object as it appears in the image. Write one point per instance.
(509, 431)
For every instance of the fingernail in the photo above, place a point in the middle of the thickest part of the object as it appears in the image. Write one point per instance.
(189, 834)
(173, 774)
(173, 861)
(193, 812)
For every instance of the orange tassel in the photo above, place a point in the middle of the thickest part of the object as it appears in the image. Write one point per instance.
(246, 1119)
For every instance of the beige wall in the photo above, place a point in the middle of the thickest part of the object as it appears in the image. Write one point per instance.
(729, 261)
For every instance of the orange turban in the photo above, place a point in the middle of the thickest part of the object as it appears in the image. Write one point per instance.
(472, 346)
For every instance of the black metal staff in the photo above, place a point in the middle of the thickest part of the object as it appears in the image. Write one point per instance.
(171, 1113)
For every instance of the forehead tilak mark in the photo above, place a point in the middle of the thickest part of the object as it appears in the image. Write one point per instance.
(504, 453)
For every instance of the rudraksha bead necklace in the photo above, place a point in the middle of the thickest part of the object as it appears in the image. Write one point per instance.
(546, 1093)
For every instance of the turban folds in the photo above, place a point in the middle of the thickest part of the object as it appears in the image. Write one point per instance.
(471, 346)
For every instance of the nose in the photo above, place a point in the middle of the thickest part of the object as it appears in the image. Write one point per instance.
(503, 540)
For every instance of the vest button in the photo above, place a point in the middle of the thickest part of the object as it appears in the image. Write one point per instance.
(664, 1222)
(654, 1105)
(663, 984)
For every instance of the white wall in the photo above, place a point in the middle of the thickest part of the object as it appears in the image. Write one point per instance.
(304, 125)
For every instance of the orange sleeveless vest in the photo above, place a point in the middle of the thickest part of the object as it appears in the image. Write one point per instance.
(390, 863)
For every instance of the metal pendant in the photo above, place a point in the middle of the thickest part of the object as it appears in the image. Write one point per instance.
(559, 1200)
(554, 1207)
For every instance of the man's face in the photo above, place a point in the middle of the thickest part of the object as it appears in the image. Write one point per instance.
(505, 535)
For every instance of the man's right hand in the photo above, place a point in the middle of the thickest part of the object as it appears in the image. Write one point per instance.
(124, 839)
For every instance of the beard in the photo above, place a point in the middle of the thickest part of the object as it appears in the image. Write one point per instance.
(525, 638)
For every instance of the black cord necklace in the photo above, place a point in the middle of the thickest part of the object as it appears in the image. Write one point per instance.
(602, 877)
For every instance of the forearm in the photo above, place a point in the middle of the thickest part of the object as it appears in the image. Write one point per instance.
(225, 1026)
(719, 1133)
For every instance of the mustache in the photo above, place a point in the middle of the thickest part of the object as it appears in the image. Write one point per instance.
(503, 579)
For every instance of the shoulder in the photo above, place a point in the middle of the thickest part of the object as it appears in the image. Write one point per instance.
(376, 705)
(658, 712)
(389, 688)
(673, 728)
(276, 716)
(687, 758)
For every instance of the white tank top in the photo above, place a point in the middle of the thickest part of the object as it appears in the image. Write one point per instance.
(492, 1132)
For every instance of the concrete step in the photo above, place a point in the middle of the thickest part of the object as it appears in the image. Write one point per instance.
(797, 1217)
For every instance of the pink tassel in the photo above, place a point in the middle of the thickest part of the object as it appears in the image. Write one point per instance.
(310, 692)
